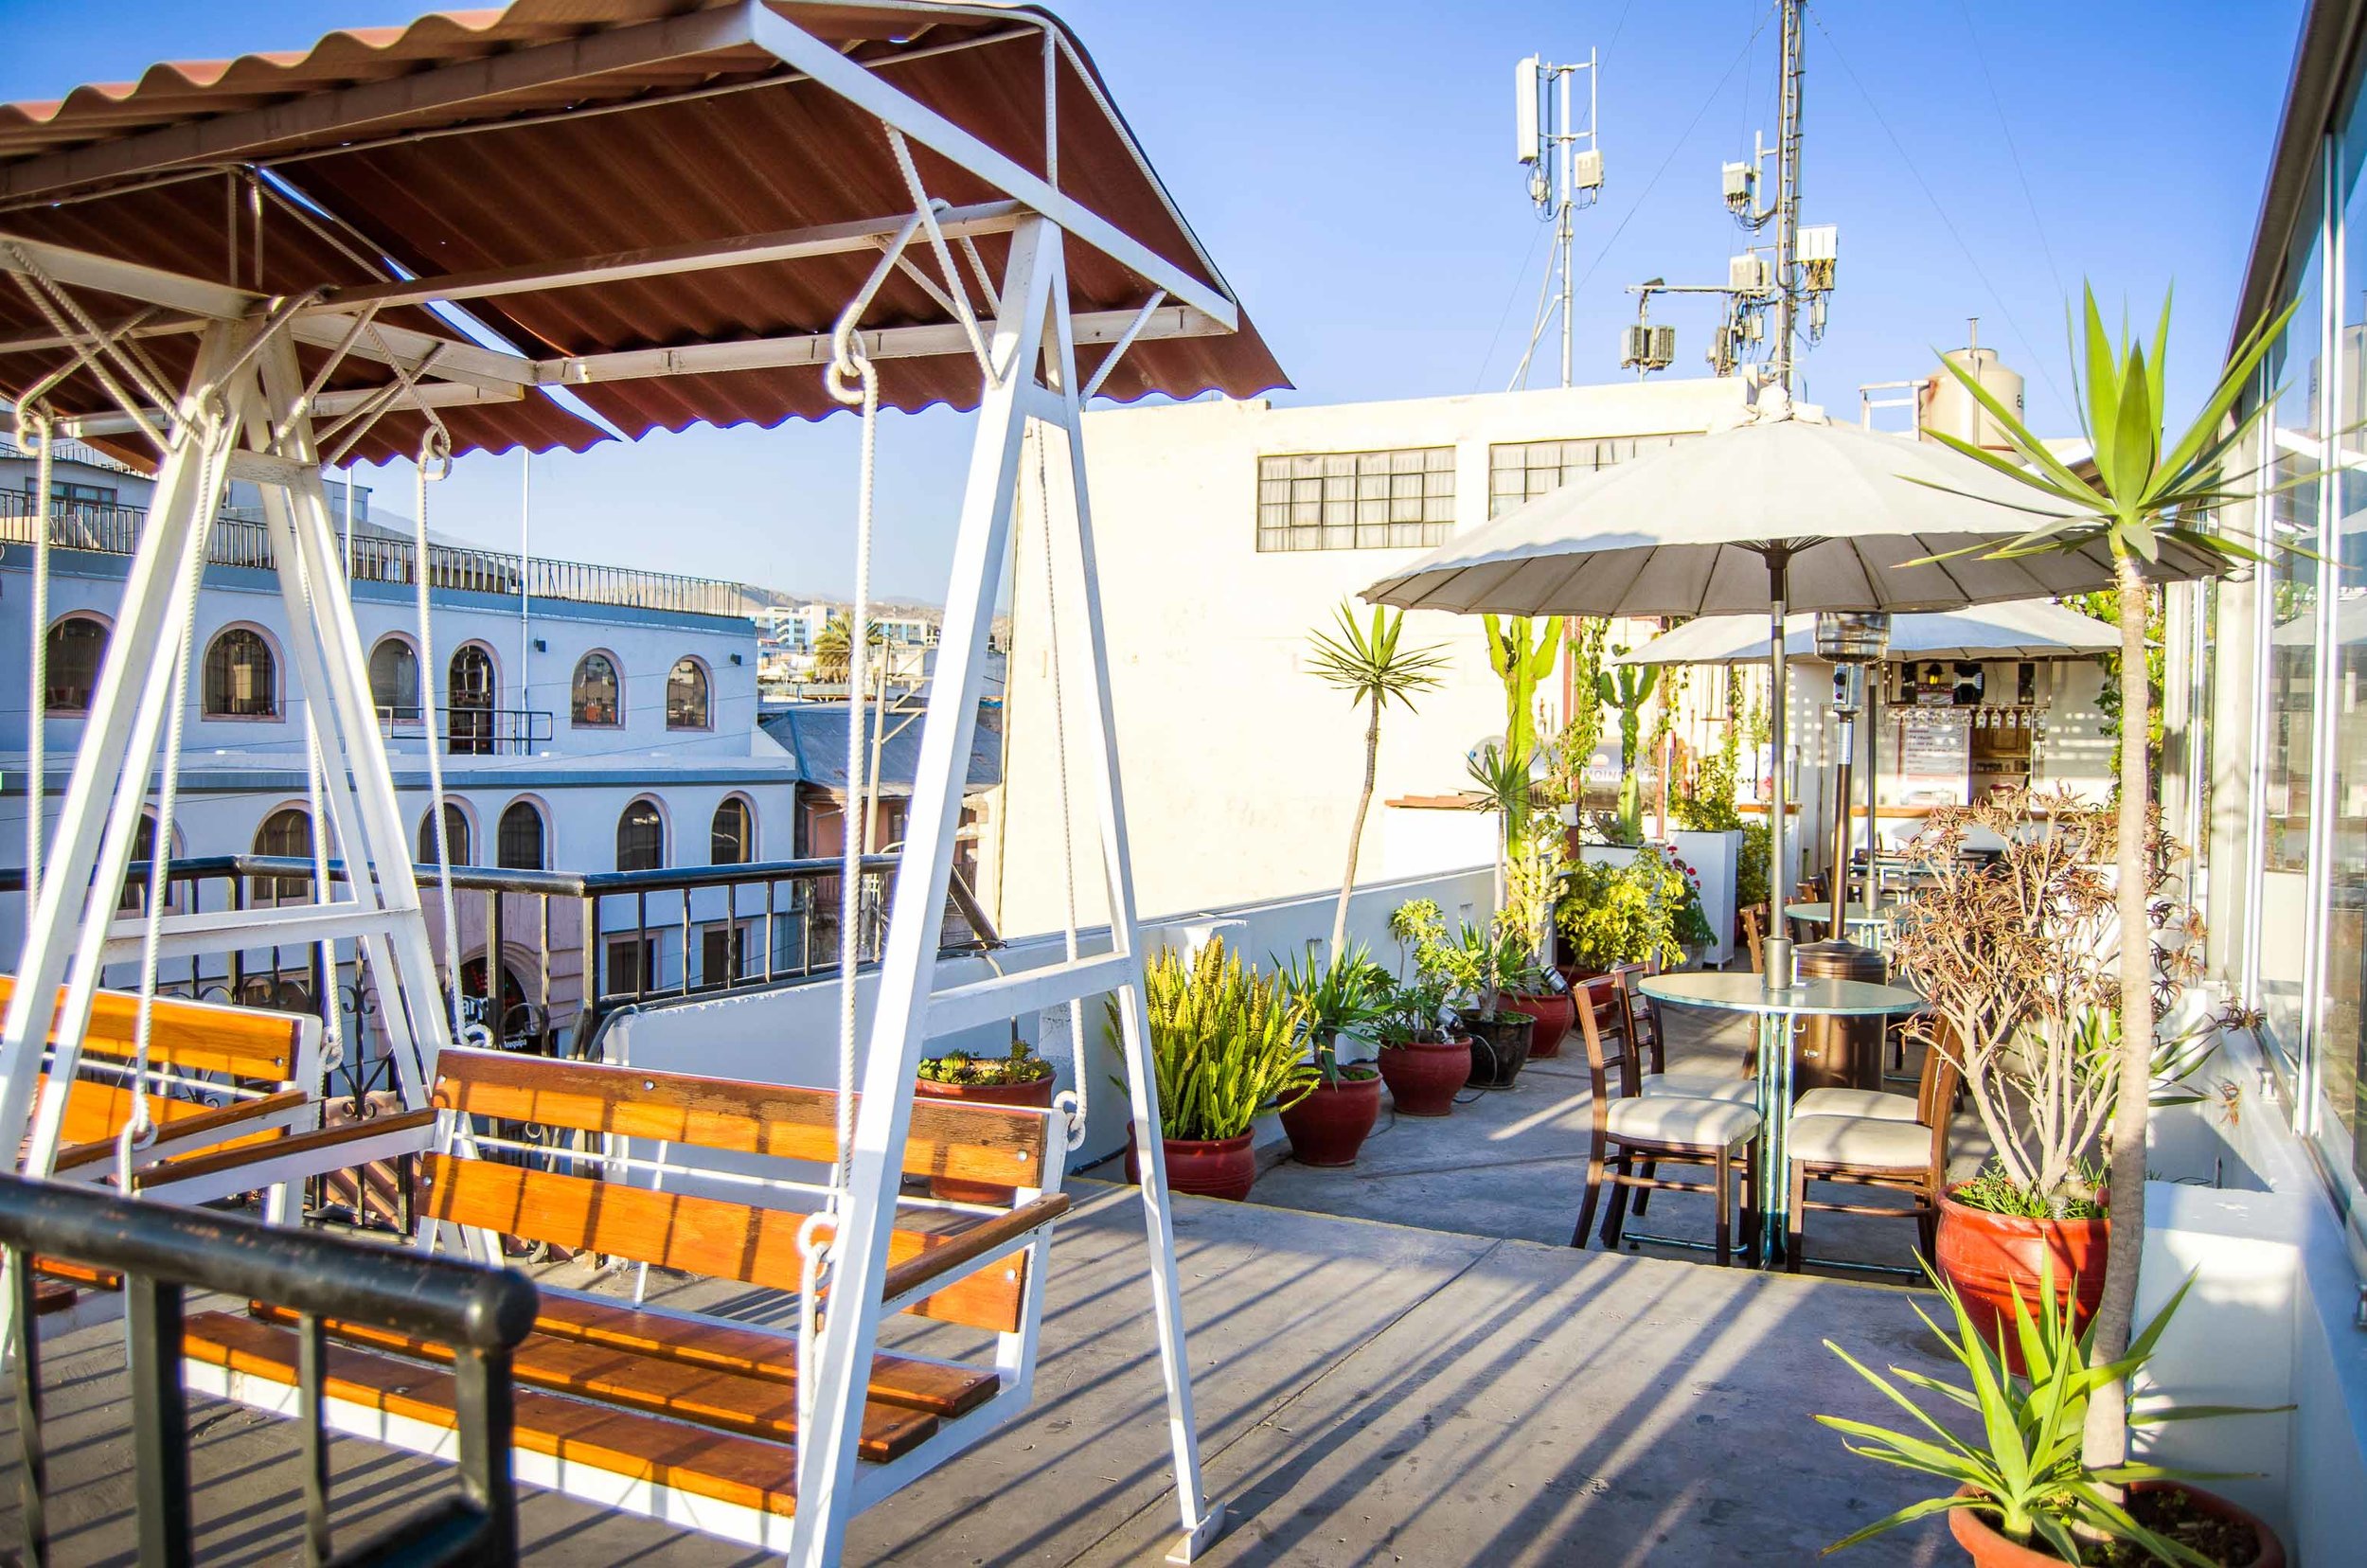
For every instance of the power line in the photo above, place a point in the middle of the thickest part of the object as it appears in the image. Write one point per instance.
(2006, 128)
(1900, 148)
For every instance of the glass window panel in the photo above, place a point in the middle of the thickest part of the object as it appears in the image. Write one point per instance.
(2343, 984)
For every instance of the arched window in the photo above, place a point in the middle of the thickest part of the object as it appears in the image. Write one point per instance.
(287, 831)
(469, 707)
(77, 646)
(395, 680)
(518, 842)
(240, 680)
(732, 839)
(597, 701)
(456, 829)
(641, 837)
(686, 696)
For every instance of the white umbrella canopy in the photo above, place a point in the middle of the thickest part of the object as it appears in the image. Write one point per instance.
(2033, 629)
(1690, 530)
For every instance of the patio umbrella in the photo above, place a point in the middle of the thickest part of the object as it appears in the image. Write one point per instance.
(2028, 630)
(1781, 510)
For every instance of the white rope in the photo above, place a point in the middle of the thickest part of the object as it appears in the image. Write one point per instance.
(435, 449)
(138, 1131)
(927, 209)
(333, 1012)
(1078, 1096)
(848, 360)
(36, 739)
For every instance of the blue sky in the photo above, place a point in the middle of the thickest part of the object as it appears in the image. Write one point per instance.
(1350, 168)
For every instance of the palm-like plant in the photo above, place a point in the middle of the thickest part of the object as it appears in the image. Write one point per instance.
(1350, 994)
(2147, 490)
(1375, 668)
(834, 649)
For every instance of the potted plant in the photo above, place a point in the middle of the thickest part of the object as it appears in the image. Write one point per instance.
(1226, 1046)
(1422, 1062)
(2020, 962)
(1350, 994)
(1533, 880)
(1477, 964)
(1612, 915)
(2020, 1493)
(1023, 1078)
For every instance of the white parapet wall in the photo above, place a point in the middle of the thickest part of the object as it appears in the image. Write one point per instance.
(789, 1035)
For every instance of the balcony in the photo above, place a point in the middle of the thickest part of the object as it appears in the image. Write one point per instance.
(240, 538)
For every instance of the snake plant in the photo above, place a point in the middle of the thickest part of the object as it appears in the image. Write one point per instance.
(1227, 1044)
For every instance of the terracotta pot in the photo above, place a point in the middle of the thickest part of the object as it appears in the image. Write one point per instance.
(953, 1188)
(1989, 1549)
(1220, 1168)
(1499, 1046)
(1557, 1013)
(1330, 1124)
(1424, 1076)
(1988, 1258)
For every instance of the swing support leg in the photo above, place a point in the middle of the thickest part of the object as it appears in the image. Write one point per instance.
(1032, 327)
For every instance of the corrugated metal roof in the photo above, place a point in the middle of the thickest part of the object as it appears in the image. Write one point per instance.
(709, 145)
(815, 735)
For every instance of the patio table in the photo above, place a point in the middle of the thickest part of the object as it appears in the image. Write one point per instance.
(1776, 1011)
(1874, 923)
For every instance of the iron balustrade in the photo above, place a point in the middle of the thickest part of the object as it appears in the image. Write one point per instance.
(162, 1253)
(240, 538)
(476, 731)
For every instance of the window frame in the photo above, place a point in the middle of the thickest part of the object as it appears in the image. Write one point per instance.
(616, 682)
(390, 716)
(541, 835)
(465, 829)
(665, 831)
(50, 706)
(273, 664)
(707, 695)
(748, 827)
(1282, 532)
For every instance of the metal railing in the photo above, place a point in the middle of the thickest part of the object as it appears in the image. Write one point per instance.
(240, 538)
(162, 1253)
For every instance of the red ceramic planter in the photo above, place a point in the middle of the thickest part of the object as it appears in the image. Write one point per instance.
(1223, 1167)
(1424, 1076)
(1988, 1258)
(953, 1188)
(1989, 1549)
(1331, 1124)
(1557, 1013)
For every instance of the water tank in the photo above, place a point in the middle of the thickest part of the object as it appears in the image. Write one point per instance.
(1944, 403)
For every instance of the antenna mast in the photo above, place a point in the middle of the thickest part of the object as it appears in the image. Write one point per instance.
(1565, 167)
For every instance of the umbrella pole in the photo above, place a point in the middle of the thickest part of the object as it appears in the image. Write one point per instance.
(1777, 948)
(1876, 674)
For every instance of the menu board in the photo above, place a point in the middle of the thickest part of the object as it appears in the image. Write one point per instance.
(1933, 748)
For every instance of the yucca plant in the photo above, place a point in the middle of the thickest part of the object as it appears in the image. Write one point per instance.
(1226, 1042)
(2148, 489)
(1349, 994)
(1373, 667)
(2022, 1467)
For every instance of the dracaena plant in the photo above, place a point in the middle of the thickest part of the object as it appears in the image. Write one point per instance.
(2021, 1466)
(1374, 668)
(2152, 495)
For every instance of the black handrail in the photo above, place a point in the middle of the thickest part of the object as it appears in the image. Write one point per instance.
(163, 1252)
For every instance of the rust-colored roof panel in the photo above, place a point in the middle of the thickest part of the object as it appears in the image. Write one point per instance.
(707, 145)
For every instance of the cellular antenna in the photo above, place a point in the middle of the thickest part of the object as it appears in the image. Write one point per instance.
(1565, 169)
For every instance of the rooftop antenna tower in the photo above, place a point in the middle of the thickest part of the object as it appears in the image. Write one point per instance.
(1565, 167)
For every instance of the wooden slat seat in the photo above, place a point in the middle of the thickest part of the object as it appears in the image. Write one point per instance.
(755, 1407)
(196, 1037)
(747, 1471)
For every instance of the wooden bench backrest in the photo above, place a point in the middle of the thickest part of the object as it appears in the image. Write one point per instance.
(97, 1111)
(977, 1143)
(194, 1037)
(713, 1237)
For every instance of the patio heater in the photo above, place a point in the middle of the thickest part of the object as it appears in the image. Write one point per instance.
(1844, 1053)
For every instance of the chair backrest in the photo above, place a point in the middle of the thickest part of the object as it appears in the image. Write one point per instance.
(1641, 1015)
(195, 1037)
(1753, 932)
(1602, 1026)
(715, 1237)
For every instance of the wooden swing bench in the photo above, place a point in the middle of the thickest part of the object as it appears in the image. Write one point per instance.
(254, 1123)
(684, 1418)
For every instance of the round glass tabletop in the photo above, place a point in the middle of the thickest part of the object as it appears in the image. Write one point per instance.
(1859, 914)
(1749, 994)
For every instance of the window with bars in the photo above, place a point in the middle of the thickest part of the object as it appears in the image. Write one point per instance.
(1522, 470)
(1356, 500)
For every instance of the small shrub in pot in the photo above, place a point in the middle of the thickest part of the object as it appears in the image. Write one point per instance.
(1349, 996)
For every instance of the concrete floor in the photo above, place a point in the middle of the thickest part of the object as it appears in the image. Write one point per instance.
(1368, 1394)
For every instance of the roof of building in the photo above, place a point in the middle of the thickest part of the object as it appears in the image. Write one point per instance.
(815, 735)
(550, 137)
(2326, 62)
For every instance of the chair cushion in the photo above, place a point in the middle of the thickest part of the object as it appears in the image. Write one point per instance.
(1710, 1086)
(1677, 1119)
(1870, 1141)
(1855, 1102)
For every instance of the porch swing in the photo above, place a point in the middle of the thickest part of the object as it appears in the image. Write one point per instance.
(377, 148)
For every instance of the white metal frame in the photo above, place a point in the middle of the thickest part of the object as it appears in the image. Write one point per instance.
(247, 410)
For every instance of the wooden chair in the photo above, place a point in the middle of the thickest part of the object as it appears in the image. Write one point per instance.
(1631, 1130)
(672, 1414)
(1641, 1017)
(234, 1094)
(1754, 933)
(1877, 1148)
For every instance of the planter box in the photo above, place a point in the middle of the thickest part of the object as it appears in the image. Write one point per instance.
(1607, 854)
(1719, 857)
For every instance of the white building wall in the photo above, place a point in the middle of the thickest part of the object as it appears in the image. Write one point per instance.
(1240, 767)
